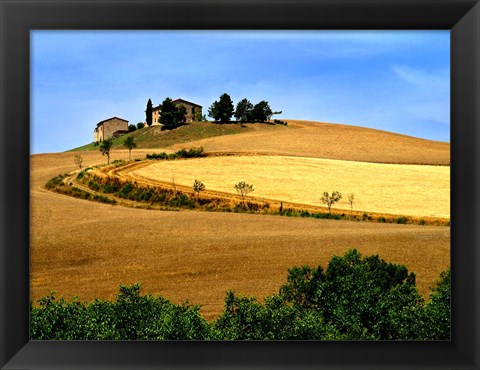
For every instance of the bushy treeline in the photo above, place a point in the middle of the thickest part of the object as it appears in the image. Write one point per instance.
(131, 316)
(223, 110)
(353, 298)
(182, 153)
(58, 185)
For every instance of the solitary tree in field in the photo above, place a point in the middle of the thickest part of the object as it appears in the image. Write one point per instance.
(222, 110)
(148, 113)
(243, 189)
(330, 199)
(78, 160)
(198, 187)
(105, 147)
(130, 144)
(351, 198)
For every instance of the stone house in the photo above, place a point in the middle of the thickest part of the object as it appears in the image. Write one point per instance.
(194, 111)
(109, 128)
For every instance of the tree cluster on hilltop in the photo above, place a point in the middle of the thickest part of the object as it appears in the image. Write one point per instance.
(223, 110)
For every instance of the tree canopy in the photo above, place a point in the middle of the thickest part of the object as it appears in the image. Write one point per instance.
(172, 115)
(262, 112)
(222, 110)
(105, 147)
(149, 112)
(244, 110)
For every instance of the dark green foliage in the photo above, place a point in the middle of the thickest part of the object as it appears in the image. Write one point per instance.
(126, 189)
(140, 125)
(131, 317)
(79, 193)
(190, 153)
(148, 113)
(436, 315)
(172, 115)
(243, 112)
(157, 156)
(222, 110)
(112, 185)
(182, 153)
(103, 199)
(261, 112)
(369, 298)
(55, 182)
(247, 319)
(401, 220)
(354, 298)
(105, 147)
(132, 128)
(280, 122)
(93, 185)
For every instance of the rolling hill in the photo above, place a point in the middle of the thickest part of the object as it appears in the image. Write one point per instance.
(87, 249)
(299, 138)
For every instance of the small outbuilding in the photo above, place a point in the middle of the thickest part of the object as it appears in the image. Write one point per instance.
(110, 128)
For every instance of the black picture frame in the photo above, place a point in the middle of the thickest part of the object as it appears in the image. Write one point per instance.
(17, 18)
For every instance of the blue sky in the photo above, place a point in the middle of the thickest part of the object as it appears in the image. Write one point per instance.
(391, 80)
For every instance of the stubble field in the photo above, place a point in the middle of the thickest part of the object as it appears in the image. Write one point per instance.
(410, 190)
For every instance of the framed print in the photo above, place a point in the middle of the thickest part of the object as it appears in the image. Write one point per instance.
(108, 160)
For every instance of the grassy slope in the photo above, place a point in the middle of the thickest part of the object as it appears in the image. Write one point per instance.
(153, 137)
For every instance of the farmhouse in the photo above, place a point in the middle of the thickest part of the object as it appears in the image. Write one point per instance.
(109, 128)
(194, 111)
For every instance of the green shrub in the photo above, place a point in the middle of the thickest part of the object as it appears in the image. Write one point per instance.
(131, 317)
(401, 220)
(93, 185)
(126, 189)
(103, 199)
(55, 182)
(437, 312)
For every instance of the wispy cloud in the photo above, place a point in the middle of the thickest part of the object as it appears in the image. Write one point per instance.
(430, 79)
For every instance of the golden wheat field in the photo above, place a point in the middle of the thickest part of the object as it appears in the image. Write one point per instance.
(87, 249)
(411, 190)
